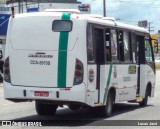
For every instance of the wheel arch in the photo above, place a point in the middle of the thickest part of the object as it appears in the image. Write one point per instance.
(112, 90)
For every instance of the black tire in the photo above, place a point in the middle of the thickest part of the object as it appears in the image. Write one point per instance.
(45, 109)
(1, 77)
(74, 107)
(107, 109)
(145, 100)
(1, 66)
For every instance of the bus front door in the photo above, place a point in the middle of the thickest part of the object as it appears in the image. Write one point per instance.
(140, 62)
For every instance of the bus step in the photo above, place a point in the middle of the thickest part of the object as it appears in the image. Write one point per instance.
(139, 99)
(98, 104)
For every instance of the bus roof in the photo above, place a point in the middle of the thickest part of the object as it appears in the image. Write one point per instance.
(111, 21)
(91, 18)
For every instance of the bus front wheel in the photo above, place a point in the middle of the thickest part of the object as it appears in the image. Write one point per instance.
(45, 109)
(145, 100)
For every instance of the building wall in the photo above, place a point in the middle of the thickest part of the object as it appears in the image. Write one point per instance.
(44, 6)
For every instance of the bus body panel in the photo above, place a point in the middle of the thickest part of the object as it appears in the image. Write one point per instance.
(29, 75)
(17, 93)
(40, 72)
(92, 95)
(120, 79)
(146, 78)
(40, 27)
(37, 48)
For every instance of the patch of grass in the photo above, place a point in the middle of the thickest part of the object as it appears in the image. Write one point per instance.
(158, 66)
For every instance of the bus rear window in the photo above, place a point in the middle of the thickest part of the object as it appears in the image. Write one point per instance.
(62, 25)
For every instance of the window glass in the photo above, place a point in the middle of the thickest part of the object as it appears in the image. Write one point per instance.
(140, 43)
(133, 44)
(114, 52)
(148, 51)
(108, 56)
(90, 47)
(4, 9)
(126, 45)
(98, 40)
(121, 48)
(62, 25)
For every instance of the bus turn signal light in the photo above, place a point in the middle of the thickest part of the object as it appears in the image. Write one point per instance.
(78, 74)
(7, 77)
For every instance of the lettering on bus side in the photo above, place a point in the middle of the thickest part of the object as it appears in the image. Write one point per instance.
(126, 79)
(40, 56)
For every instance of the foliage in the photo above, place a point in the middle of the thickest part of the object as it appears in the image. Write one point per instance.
(158, 66)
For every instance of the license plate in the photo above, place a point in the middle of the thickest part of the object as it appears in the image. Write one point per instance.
(41, 93)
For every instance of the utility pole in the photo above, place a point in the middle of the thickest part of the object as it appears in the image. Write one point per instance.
(26, 5)
(38, 5)
(150, 29)
(22, 5)
(19, 6)
(104, 8)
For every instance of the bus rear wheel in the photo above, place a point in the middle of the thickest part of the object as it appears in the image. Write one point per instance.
(45, 109)
(107, 109)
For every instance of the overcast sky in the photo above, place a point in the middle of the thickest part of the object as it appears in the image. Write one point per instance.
(130, 11)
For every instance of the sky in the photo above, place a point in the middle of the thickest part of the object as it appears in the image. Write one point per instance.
(129, 11)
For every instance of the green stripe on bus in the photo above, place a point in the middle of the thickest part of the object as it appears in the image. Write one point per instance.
(62, 55)
(108, 83)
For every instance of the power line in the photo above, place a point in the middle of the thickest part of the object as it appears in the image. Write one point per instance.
(139, 3)
(145, 6)
(142, 1)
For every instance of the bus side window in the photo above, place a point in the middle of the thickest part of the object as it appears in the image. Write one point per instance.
(133, 46)
(148, 52)
(90, 45)
(127, 47)
(121, 45)
(98, 39)
(108, 52)
(114, 48)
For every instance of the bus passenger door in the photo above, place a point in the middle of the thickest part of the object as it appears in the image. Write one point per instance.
(95, 61)
(100, 61)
